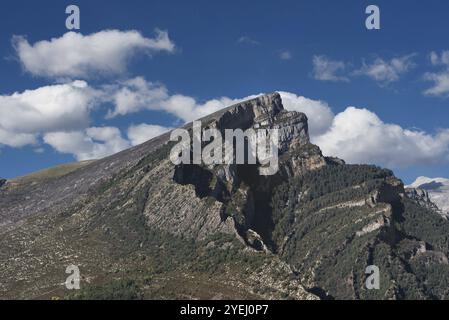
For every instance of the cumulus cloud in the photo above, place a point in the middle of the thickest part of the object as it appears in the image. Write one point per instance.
(92, 143)
(359, 136)
(387, 71)
(16, 140)
(77, 55)
(25, 115)
(188, 109)
(59, 115)
(138, 134)
(356, 135)
(440, 79)
(137, 94)
(99, 142)
(325, 69)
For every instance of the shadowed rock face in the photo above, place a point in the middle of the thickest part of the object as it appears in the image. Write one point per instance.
(244, 193)
(309, 230)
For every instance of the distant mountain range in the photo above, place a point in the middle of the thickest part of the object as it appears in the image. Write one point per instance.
(437, 189)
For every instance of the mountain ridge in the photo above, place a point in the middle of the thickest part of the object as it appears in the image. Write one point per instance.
(140, 227)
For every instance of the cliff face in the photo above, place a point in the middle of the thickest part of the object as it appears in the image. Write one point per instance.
(243, 193)
(225, 230)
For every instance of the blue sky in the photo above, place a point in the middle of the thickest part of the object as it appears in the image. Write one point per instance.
(235, 49)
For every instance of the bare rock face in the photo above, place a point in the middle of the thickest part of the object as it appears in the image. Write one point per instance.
(2, 182)
(265, 112)
(293, 130)
(243, 192)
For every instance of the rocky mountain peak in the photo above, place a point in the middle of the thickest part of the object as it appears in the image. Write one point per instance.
(264, 112)
(242, 190)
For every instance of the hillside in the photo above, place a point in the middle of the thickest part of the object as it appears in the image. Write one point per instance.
(140, 227)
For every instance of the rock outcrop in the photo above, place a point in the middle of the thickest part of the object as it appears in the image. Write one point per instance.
(242, 190)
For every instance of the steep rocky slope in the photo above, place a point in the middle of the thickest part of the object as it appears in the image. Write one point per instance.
(140, 227)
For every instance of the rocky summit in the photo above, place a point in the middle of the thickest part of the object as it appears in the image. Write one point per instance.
(139, 227)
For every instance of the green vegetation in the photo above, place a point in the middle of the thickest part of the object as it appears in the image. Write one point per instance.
(316, 218)
(319, 189)
(116, 290)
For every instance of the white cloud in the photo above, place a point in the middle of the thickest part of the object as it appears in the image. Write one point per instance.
(24, 116)
(137, 94)
(387, 71)
(60, 114)
(440, 86)
(92, 143)
(16, 140)
(285, 55)
(188, 109)
(138, 134)
(440, 79)
(325, 69)
(247, 40)
(99, 142)
(438, 60)
(76, 55)
(359, 136)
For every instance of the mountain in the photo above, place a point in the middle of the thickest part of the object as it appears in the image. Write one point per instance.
(437, 190)
(138, 226)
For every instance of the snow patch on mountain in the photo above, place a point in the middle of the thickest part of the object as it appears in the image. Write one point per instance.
(438, 190)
